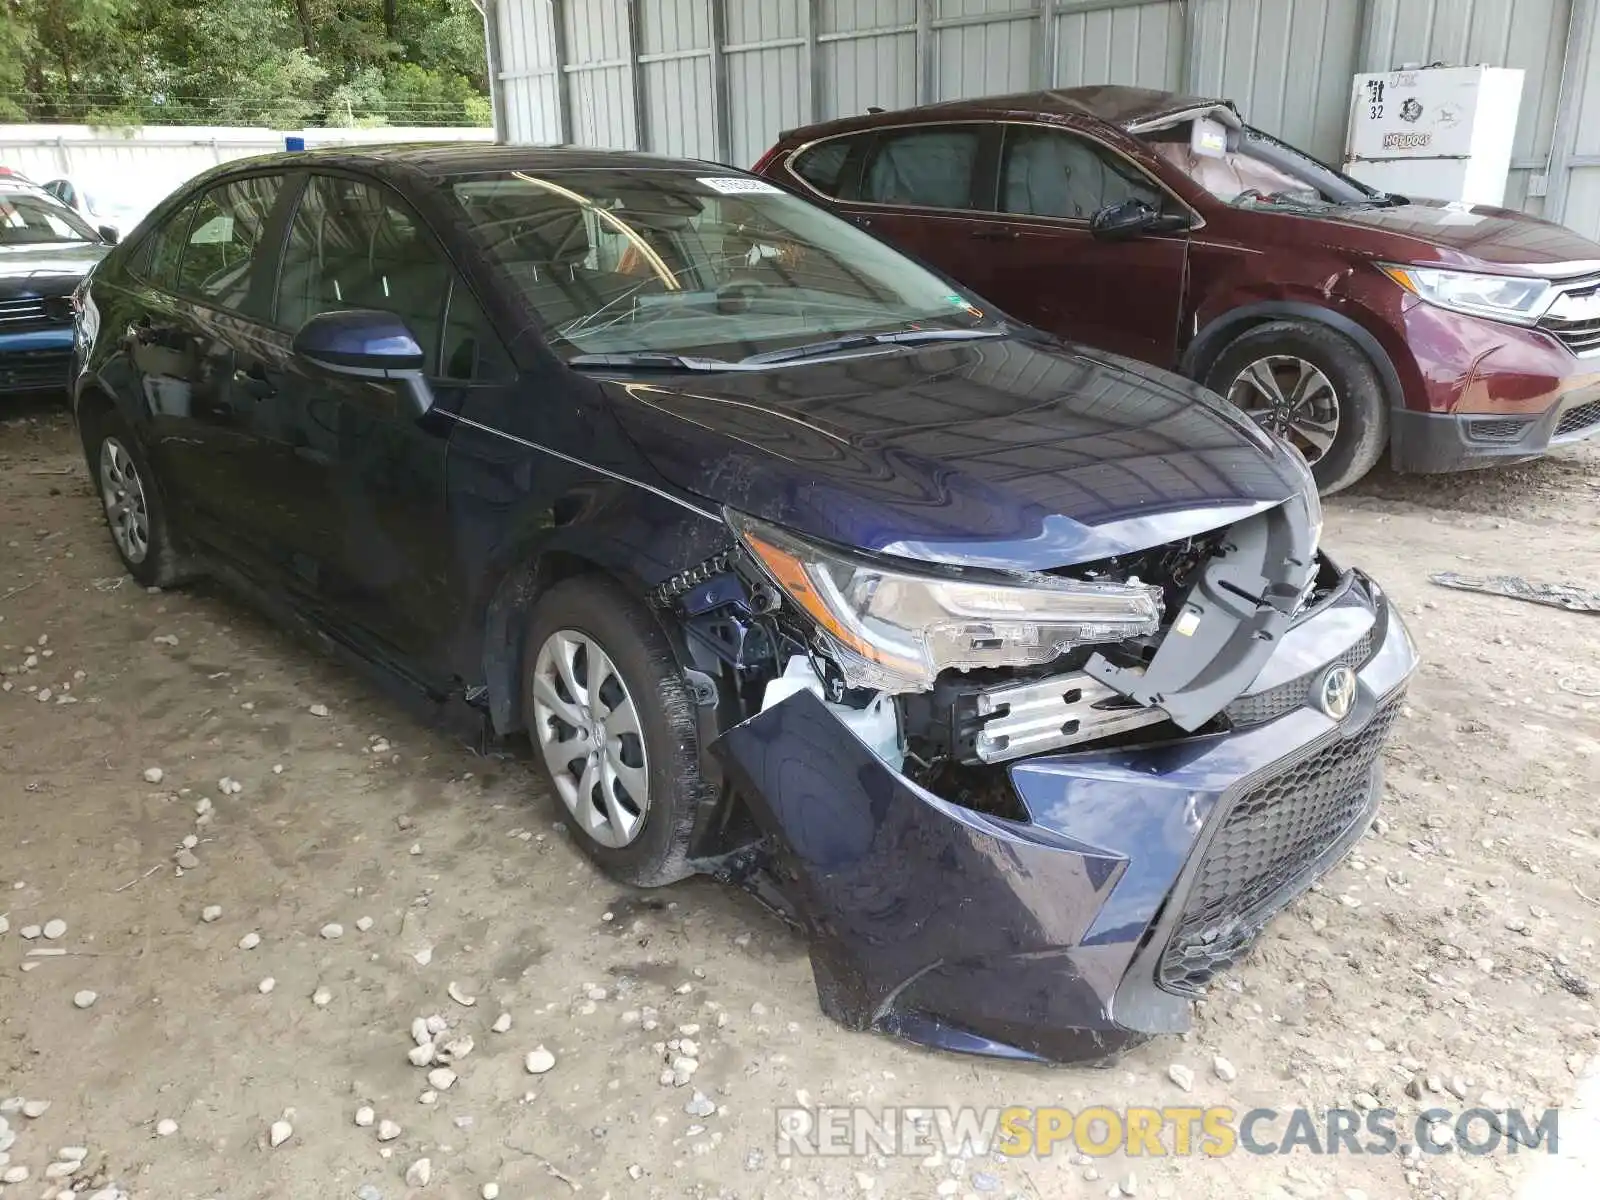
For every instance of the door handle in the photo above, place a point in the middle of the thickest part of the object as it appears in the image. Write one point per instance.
(995, 234)
(254, 381)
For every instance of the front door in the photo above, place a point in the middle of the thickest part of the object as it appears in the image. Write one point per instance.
(374, 545)
(1040, 262)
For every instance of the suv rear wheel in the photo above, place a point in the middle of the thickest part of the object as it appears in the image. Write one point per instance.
(1312, 386)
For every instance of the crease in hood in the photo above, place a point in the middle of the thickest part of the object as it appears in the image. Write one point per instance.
(1002, 453)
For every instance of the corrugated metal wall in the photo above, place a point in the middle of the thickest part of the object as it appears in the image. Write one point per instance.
(720, 78)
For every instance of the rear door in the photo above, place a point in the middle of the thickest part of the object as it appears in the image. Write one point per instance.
(921, 187)
(1041, 263)
(199, 348)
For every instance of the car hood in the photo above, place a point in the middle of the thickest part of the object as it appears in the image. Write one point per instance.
(42, 269)
(1480, 237)
(997, 453)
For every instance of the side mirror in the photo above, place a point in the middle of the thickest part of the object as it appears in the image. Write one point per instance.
(109, 234)
(364, 343)
(1129, 219)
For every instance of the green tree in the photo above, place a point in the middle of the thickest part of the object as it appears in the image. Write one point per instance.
(282, 63)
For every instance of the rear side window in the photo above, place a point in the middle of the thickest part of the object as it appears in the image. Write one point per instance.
(822, 165)
(930, 167)
(220, 253)
(1048, 173)
(158, 258)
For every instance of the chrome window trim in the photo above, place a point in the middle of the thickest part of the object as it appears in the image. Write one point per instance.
(1198, 222)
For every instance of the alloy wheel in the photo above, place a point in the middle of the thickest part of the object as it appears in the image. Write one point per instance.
(586, 725)
(1292, 398)
(123, 493)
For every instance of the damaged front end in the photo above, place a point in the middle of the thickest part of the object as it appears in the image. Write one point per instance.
(1031, 814)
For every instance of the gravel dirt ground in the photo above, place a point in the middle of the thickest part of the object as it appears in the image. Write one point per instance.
(1454, 951)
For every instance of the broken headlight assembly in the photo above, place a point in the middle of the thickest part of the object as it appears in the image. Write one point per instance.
(893, 625)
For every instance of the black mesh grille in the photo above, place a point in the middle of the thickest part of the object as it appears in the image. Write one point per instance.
(1578, 418)
(30, 369)
(1497, 429)
(1268, 849)
(1286, 697)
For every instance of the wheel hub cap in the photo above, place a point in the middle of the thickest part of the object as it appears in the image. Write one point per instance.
(587, 728)
(123, 494)
(1292, 398)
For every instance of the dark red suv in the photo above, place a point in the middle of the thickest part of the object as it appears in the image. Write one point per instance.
(1164, 228)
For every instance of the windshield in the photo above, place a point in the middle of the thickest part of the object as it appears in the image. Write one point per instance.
(27, 218)
(1259, 171)
(692, 262)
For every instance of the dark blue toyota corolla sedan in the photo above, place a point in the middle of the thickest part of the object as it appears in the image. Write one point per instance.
(1011, 671)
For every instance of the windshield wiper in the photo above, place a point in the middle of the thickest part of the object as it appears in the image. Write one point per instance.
(857, 341)
(650, 358)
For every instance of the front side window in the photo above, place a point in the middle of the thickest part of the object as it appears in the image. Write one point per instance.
(354, 244)
(29, 218)
(1050, 173)
(221, 250)
(930, 167)
(690, 262)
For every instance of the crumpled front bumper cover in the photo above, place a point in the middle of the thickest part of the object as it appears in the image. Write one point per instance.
(1034, 939)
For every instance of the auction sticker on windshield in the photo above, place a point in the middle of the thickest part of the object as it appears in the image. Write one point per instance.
(730, 185)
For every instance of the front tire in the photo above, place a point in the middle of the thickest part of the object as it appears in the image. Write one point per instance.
(611, 719)
(134, 511)
(1314, 387)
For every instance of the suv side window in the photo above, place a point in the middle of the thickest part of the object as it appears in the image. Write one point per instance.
(925, 167)
(219, 254)
(354, 244)
(823, 164)
(1051, 173)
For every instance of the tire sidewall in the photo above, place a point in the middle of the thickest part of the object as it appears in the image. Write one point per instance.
(1363, 412)
(599, 608)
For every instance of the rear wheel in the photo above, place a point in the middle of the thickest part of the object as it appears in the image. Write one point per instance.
(611, 719)
(132, 502)
(1313, 387)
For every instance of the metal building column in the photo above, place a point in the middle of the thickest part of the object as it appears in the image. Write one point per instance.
(1190, 84)
(926, 63)
(811, 18)
(489, 10)
(1564, 137)
(558, 56)
(1049, 41)
(641, 108)
(717, 21)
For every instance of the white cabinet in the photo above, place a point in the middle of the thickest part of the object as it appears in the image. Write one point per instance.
(1442, 133)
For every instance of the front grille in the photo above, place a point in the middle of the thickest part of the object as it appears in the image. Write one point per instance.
(1575, 419)
(1273, 841)
(1498, 429)
(1286, 697)
(33, 312)
(1579, 332)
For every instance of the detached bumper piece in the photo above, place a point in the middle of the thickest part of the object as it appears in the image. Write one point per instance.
(1085, 928)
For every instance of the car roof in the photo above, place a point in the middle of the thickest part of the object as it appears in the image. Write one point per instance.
(438, 159)
(1124, 107)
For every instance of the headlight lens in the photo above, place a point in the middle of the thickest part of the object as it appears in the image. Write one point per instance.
(897, 628)
(1503, 297)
